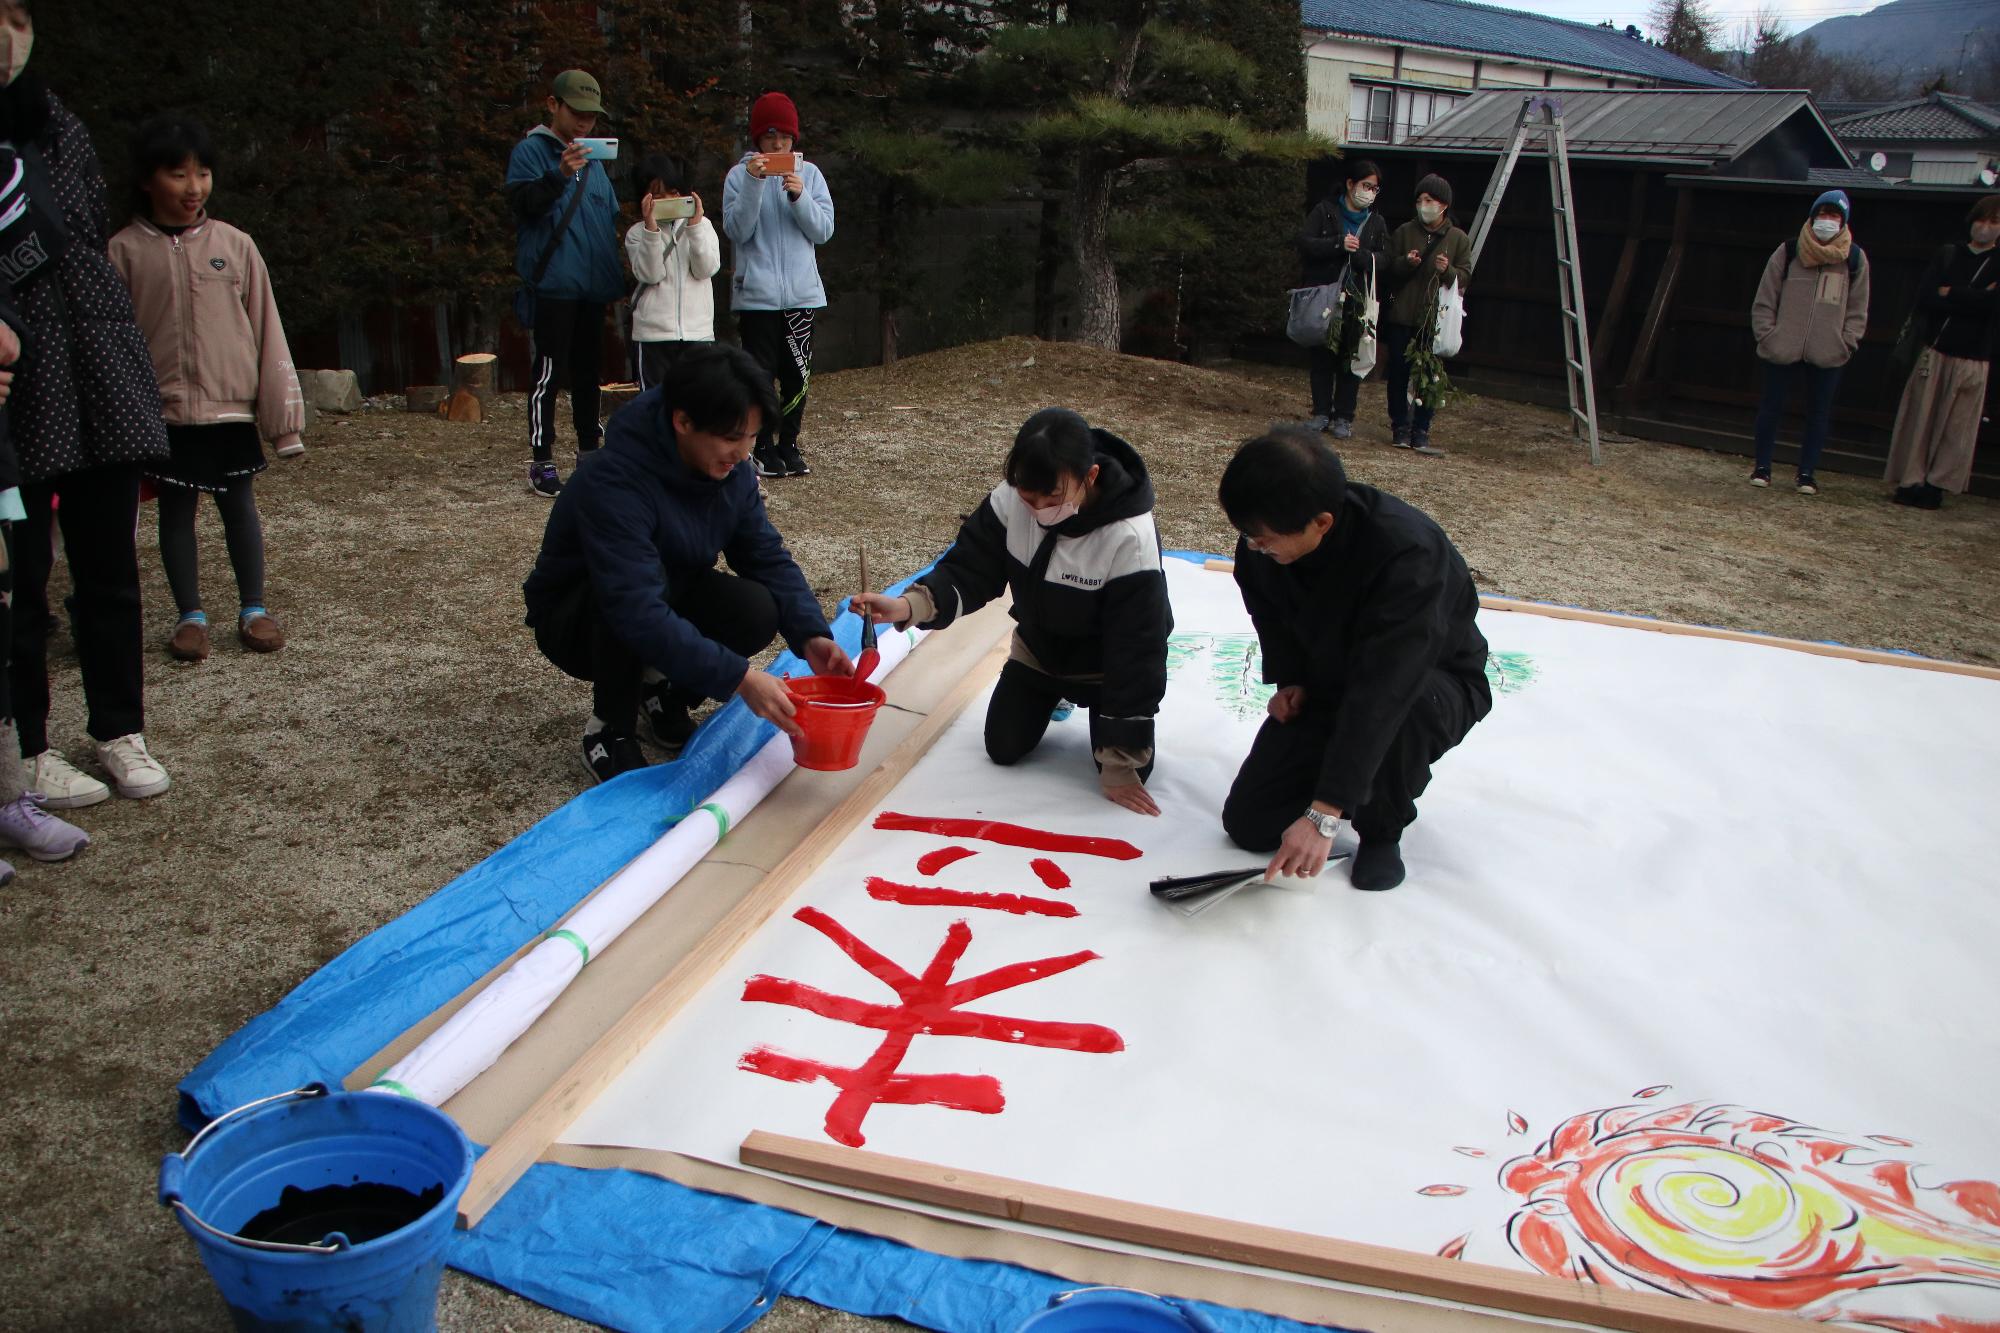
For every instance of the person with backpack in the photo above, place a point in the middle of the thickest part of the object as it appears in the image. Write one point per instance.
(1424, 254)
(1809, 315)
(566, 252)
(1948, 349)
(1344, 240)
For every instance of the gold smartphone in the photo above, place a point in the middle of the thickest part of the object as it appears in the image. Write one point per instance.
(780, 164)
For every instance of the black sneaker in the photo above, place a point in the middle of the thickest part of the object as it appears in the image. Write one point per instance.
(667, 720)
(1399, 436)
(1377, 866)
(793, 461)
(1318, 421)
(606, 756)
(543, 481)
(1420, 442)
(765, 456)
(1929, 497)
(1808, 484)
(1760, 477)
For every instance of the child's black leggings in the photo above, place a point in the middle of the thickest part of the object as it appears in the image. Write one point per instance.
(242, 530)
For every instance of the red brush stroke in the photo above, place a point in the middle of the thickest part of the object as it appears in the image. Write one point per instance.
(1452, 1249)
(1049, 873)
(917, 895)
(1442, 1191)
(1653, 1091)
(1516, 1124)
(932, 862)
(1009, 835)
(929, 1006)
(1470, 1152)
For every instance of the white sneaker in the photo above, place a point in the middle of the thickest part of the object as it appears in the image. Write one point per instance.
(135, 773)
(63, 785)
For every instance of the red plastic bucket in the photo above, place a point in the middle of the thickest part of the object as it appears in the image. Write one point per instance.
(835, 713)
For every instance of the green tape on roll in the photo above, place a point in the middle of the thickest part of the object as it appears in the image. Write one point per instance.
(573, 938)
(391, 1085)
(721, 819)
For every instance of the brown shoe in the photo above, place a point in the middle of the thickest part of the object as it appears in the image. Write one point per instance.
(190, 642)
(261, 633)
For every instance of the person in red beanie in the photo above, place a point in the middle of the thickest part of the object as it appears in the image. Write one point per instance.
(776, 219)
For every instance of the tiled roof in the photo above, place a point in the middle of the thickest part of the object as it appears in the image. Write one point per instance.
(1488, 30)
(1843, 176)
(1939, 116)
(1697, 126)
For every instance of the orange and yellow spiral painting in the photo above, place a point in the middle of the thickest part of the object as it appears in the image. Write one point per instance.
(1714, 1202)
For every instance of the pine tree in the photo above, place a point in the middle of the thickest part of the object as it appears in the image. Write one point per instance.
(1686, 28)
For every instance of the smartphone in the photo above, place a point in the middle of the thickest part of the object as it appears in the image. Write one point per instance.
(673, 210)
(599, 150)
(780, 164)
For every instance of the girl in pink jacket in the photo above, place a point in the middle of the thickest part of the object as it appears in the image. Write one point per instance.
(204, 302)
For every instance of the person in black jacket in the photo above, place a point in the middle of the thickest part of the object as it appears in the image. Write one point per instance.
(1365, 612)
(1342, 240)
(625, 593)
(1070, 532)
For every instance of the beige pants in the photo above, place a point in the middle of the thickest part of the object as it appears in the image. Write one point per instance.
(1937, 423)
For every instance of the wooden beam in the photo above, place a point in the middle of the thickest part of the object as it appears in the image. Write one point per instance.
(1621, 280)
(1226, 1241)
(1662, 303)
(1875, 656)
(516, 1149)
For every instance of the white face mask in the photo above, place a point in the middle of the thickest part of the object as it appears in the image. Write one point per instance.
(1058, 514)
(1430, 213)
(1364, 196)
(15, 44)
(1985, 233)
(1826, 229)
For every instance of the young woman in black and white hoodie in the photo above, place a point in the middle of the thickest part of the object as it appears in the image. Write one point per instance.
(1070, 532)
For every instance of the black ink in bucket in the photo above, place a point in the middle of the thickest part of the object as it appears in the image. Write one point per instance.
(361, 1212)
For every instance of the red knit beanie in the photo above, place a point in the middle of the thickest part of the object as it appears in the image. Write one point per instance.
(773, 111)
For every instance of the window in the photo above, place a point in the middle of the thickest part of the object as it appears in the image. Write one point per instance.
(1389, 114)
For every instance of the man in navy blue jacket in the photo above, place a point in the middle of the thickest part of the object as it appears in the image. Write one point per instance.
(577, 264)
(625, 593)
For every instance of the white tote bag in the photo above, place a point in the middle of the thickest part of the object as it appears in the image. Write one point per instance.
(1364, 345)
(1451, 320)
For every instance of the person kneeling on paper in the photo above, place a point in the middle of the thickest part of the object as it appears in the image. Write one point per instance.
(625, 593)
(1365, 613)
(1071, 532)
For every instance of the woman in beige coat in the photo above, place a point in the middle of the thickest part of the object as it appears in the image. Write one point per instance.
(1958, 314)
(1809, 315)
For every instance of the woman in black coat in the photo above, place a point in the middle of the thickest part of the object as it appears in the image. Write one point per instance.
(1342, 240)
(85, 415)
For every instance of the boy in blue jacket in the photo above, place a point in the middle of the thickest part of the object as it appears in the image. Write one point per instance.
(776, 220)
(566, 252)
(625, 593)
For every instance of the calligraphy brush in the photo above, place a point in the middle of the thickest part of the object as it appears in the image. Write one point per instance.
(865, 667)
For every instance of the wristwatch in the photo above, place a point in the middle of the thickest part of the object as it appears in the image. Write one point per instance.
(1328, 825)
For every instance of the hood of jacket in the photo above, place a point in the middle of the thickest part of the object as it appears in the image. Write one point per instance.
(1124, 488)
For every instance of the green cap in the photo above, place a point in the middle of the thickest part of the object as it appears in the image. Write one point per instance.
(579, 91)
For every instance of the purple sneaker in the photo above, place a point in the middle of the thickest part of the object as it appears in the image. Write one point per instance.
(24, 824)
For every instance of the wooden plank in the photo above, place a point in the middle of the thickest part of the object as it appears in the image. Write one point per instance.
(1875, 656)
(515, 1150)
(1226, 1241)
(1661, 306)
(1621, 279)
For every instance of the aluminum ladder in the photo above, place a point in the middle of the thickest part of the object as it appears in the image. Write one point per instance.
(1542, 115)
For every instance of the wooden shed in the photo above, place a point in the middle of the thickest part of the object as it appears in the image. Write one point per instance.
(1681, 197)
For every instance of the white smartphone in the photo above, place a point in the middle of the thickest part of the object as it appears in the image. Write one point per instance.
(599, 150)
(673, 209)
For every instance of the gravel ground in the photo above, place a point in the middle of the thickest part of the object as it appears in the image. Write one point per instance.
(410, 728)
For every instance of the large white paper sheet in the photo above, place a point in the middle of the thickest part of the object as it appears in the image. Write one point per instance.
(1690, 988)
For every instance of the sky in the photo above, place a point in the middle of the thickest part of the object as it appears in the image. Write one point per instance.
(1798, 14)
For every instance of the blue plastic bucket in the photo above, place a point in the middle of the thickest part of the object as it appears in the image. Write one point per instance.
(1115, 1310)
(298, 1172)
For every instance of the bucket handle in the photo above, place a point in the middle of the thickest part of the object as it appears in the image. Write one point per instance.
(1196, 1320)
(171, 1168)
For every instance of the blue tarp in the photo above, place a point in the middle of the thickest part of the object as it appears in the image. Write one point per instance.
(619, 1247)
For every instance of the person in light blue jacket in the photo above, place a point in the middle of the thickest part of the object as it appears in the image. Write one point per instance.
(568, 262)
(775, 220)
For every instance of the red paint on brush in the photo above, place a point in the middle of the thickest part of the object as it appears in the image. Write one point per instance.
(928, 1005)
(917, 895)
(1048, 872)
(932, 862)
(1009, 835)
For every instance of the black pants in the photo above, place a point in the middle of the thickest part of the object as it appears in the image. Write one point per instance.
(781, 342)
(1275, 784)
(656, 359)
(1018, 716)
(569, 349)
(1396, 339)
(1335, 389)
(100, 510)
(736, 613)
(242, 531)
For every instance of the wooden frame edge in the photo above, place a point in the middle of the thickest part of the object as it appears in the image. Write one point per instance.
(1273, 1248)
(518, 1147)
(1874, 656)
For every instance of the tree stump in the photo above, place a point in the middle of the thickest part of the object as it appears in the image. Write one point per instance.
(611, 397)
(425, 397)
(463, 405)
(474, 375)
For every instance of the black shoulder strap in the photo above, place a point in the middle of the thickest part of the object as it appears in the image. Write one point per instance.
(562, 225)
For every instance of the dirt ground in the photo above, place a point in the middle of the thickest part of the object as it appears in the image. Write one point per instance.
(410, 728)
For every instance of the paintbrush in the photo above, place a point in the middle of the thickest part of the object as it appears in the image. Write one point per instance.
(865, 668)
